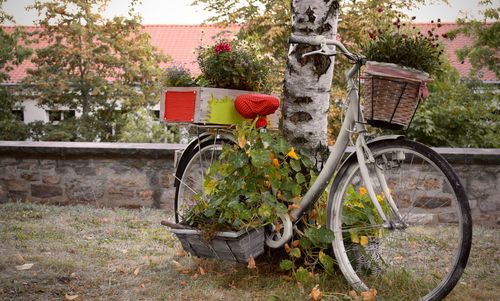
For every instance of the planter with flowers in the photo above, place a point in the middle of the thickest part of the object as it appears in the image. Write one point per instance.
(254, 183)
(395, 77)
(361, 217)
(228, 69)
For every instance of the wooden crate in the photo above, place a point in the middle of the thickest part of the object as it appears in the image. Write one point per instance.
(200, 105)
(231, 246)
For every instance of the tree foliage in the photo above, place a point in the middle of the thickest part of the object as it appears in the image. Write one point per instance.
(267, 23)
(458, 114)
(483, 52)
(142, 127)
(94, 65)
(13, 50)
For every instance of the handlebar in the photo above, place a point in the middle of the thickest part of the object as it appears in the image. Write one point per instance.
(322, 41)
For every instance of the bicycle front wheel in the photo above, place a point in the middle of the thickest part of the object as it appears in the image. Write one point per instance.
(422, 253)
(191, 172)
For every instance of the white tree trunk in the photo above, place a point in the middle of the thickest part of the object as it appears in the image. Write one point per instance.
(308, 80)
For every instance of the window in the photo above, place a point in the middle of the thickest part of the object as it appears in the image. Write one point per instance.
(156, 114)
(19, 114)
(59, 115)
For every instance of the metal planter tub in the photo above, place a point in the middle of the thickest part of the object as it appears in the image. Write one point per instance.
(231, 246)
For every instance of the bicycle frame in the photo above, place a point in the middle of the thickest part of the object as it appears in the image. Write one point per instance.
(353, 123)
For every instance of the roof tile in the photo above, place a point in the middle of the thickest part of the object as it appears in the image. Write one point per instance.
(179, 42)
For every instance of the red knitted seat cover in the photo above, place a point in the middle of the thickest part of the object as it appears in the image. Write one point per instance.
(252, 105)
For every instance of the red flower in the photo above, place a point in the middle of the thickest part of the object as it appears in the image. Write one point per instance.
(222, 47)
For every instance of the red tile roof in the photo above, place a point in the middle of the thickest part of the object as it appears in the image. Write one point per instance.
(451, 46)
(180, 42)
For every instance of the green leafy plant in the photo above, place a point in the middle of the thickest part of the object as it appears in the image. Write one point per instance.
(255, 181)
(361, 216)
(406, 49)
(178, 76)
(233, 65)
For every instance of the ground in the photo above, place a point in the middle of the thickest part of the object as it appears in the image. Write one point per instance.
(86, 253)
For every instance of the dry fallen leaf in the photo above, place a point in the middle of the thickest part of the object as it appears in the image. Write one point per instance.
(293, 206)
(70, 297)
(287, 278)
(316, 294)
(232, 285)
(251, 263)
(353, 295)
(195, 276)
(201, 271)
(287, 248)
(18, 259)
(24, 267)
(136, 271)
(295, 243)
(178, 267)
(142, 285)
(180, 253)
(370, 295)
(277, 227)
(183, 283)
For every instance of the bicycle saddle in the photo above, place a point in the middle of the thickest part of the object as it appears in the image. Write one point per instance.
(253, 105)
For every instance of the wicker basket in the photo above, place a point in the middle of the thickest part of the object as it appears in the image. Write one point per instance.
(230, 246)
(392, 94)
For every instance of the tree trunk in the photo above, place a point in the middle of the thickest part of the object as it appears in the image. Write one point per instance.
(308, 80)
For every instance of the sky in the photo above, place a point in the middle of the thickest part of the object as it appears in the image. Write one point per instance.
(181, 12)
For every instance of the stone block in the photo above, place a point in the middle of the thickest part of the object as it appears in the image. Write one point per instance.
(51, 179)
(121, 191)
(7, 162)
(490, 204)
(45, 191)
(31, 176)
(3, 194)
(47, 165)
(167, 179)
(8, 173)
(17, 196)
(83, 190)
(28, 164)
(432, 202)
(85, 171)
(146, 195)
(16, 185)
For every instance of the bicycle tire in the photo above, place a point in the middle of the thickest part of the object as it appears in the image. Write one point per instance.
(189, 176)
(433, 204)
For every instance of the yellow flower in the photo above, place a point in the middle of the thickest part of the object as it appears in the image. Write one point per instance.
(380, 198)
(362, 190)
(242, 140)
(363, 240)
(292, 154)
(276, 162)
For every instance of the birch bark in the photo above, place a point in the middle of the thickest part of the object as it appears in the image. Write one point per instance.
(308, 80)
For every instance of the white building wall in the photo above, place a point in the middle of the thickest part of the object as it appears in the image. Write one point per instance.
(32, 112)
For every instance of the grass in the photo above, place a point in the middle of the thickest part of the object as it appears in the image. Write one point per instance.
(106, 254)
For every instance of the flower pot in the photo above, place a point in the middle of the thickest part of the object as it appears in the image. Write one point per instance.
(231, 246)
(392, 94)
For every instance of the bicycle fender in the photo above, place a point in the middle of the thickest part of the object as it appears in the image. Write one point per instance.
(191, 146)
(374, 140)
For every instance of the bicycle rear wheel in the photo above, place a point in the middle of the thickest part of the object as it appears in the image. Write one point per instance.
(191, 172)
(424, 256)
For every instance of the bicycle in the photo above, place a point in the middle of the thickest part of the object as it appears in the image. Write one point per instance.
(425, 227)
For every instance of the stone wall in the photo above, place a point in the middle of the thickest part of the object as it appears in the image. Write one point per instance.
(141, 175)
(104, 174)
